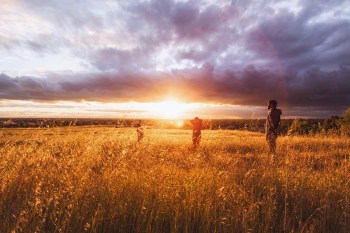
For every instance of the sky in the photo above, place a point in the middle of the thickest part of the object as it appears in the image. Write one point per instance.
(142, 58)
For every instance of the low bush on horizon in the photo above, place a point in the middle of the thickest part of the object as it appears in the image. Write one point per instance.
(101, 180)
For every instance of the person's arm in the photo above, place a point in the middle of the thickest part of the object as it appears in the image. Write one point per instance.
(279, 117)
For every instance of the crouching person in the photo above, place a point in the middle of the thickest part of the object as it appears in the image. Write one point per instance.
(196, 131)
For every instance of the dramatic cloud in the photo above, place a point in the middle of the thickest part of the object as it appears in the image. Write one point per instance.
(251, 86)
(235, 52)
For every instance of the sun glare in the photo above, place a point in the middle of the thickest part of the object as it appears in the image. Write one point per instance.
(169, 109)
(180, 123)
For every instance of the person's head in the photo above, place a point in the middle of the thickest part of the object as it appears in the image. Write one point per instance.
(196, 118)
(272, 104)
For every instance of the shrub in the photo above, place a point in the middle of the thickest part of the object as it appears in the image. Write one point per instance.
(331, 125)
(345, 123)
(300, 126)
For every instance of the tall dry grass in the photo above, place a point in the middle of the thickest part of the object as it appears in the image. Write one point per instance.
(102, 180)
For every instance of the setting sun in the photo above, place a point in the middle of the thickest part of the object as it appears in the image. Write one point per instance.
(169, 109)
(180, 123)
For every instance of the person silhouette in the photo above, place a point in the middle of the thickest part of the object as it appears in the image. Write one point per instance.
(139, 131)
(196, 131)
(272, 124)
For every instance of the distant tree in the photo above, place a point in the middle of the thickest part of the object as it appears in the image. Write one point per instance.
(345, 123)
(295, 127)
(300, 126)
(331, 125)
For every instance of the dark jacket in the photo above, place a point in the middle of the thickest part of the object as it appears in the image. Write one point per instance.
(273, 120)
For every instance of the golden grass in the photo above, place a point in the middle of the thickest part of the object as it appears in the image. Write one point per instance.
(102, 180)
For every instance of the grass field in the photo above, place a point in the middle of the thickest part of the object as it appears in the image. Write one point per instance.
(101, 180)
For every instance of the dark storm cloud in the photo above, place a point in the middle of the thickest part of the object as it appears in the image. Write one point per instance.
(314, 88)
(23, 88)
(261, 34)
(300, 40)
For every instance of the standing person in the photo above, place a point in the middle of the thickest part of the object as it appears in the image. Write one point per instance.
(272, 124)
(196, 129)
(139, 131)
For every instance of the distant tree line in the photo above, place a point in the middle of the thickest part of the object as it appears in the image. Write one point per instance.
(334, 125)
